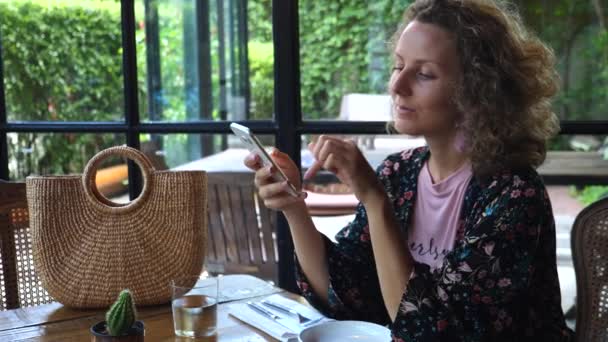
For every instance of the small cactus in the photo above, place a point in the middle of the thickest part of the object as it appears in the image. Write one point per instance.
(121, 315)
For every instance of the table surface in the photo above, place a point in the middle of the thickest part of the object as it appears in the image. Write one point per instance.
(54, 322)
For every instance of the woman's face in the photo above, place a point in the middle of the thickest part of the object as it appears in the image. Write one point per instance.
(423, 80)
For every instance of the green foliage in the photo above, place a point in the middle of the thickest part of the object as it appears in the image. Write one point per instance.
(171, 55)
(63, 62)
(342, 48)
(261, 68)
(60, 64)
(590, 194)
(259, 19)
(122, 314)
(572, 29)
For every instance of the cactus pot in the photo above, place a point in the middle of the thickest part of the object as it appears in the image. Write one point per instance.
(100, 334)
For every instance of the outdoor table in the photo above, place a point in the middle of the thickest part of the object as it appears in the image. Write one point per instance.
(54, 322)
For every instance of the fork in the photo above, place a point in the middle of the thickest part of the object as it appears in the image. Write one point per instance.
(303, 320)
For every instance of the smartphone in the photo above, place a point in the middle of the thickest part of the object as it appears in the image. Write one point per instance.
(253, 145)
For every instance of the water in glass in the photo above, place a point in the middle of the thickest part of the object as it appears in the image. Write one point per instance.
(195, 315)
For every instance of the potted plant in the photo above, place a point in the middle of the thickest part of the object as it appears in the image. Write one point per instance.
(120, 324)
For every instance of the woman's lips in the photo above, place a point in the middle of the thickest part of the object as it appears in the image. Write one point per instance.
(403, 110)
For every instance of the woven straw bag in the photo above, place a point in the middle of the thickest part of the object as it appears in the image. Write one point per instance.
(87, 248)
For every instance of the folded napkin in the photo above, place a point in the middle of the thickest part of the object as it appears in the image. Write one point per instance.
(286, 327)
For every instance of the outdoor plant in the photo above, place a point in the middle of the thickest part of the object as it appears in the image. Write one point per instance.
(61, 63)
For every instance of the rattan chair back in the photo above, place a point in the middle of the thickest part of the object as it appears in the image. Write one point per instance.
(590, 254)
(19, 283)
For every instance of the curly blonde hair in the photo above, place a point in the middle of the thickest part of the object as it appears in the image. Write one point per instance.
(507, 81)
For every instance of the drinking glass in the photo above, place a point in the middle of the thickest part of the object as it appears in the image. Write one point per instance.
(194, 303)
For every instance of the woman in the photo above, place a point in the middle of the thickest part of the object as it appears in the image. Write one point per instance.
(454, 241)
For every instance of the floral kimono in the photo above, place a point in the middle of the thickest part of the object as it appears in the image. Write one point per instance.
(499, 282)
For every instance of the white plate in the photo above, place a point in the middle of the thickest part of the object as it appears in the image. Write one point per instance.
(336, 331)
(241, 286)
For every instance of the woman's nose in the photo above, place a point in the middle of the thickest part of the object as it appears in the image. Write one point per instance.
(401, 83)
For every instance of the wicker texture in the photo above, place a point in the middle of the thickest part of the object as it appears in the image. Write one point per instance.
(87, 248)
(590, 254)
(19, 283)
(242, 235)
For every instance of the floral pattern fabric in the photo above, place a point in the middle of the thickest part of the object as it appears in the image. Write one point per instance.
(499, 283)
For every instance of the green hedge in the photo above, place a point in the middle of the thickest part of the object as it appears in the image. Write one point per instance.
(64, 63)
(60, 64)
(343, 49)
(261, 68)
(342, 45)
(589, 194)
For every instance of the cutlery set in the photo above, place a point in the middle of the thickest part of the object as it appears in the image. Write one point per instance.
(270, 309)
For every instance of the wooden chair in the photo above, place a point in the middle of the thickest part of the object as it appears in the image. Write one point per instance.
(19, 284)
(590, 254)
(242, 235)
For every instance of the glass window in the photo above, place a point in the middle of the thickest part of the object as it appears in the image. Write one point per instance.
(62, 60)
(344, 52)
(575, 31)
(66, 153)
(187, 151)
(375, 148)
(205, 60)
(344, 45)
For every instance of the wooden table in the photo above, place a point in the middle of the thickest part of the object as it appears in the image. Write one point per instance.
(54, 322)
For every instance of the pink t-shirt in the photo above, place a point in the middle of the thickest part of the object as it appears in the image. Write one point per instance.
(436, 215)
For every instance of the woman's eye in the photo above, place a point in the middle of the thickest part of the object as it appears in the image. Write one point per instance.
(397, 68)
(424, 76)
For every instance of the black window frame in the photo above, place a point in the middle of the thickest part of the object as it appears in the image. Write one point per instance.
(287, 127)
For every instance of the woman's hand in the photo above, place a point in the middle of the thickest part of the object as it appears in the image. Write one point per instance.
(275, 193)
(345, 160)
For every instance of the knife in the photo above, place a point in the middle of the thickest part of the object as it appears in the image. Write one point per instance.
(303, 320)
(288, 323)
(263, 311)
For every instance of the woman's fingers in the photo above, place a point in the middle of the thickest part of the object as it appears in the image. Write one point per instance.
(252, 161)
(332, 163)
(273, 189)
(332, 147)
(276, 195)
(313, 169)
(325, 149)
(280, 202)
(264, 175)
(281, 159)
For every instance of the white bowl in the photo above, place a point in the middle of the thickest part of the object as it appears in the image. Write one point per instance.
(335, 331)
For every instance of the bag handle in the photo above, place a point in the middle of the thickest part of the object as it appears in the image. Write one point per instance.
(90, 171)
